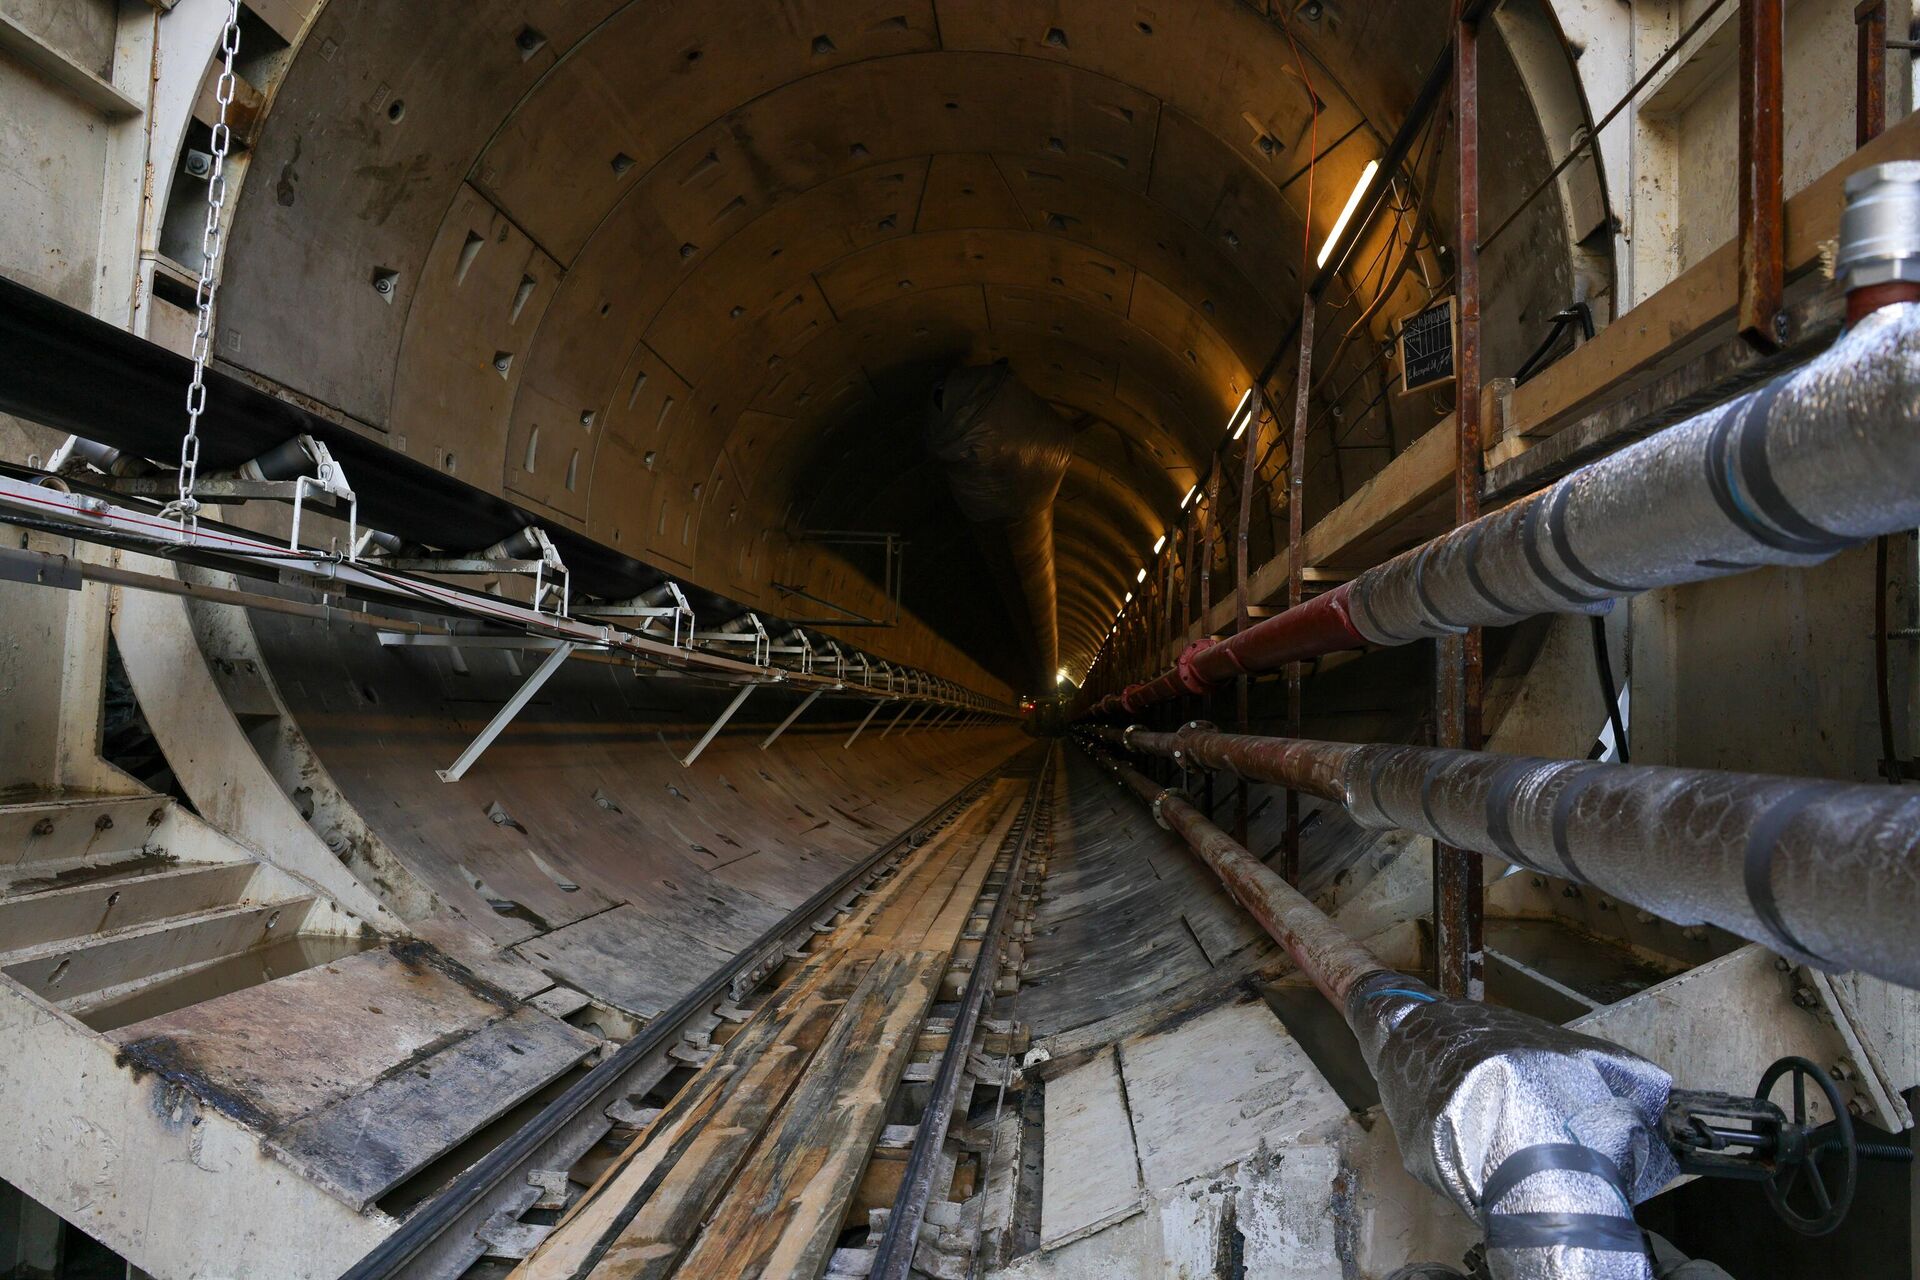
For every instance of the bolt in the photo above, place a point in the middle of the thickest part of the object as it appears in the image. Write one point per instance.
(1780, 963)
(1538, 883)
(1805, 997)
(1857, 1107)
(1644, 917)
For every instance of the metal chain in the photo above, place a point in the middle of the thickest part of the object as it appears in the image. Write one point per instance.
(186, 508)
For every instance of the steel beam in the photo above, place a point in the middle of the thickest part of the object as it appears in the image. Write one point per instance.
(562, 650)
(1762, 200)
(746, 690)
(918, 717)
(1458, 894)
(793, 715)
(1296, 567)
(1242, 690)
(1870, 107)
(860, 728)
(451, 640)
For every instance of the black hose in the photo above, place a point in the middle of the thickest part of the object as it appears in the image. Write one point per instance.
(1608, 689)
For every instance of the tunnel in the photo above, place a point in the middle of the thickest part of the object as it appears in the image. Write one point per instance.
(958, 638)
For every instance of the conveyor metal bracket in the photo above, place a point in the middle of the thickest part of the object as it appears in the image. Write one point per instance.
(634, 608)
(793, 715)
(746, 691)
(504, 717)
(861, 727)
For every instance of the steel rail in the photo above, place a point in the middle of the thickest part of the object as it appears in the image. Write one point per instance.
(894, 1257)
(601, 1085)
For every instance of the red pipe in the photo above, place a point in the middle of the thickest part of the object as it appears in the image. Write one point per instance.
(1311, 630)
(1333, 960)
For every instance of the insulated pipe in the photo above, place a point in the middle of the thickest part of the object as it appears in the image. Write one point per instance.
(1826, 873)
(1809, 464)
(1541, 1135)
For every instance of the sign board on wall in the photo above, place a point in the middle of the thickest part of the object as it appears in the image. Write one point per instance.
(1426, 347)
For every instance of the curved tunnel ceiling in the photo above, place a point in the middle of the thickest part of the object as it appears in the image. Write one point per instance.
(681, 274)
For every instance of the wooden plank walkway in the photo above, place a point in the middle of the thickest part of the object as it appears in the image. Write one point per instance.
(751, 1169)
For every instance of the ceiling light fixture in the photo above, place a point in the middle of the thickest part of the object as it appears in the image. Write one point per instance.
(1353, 202)
(1160, 544)
(1242, 415)
(1191, 495)
(1140, 576)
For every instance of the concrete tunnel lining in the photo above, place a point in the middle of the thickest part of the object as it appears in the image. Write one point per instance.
(792, 231)
(677, 279)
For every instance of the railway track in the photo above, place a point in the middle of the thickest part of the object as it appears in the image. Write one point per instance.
(505, 1207)
(813, 1139)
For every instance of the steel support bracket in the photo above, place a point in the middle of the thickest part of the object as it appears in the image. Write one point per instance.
(861, 727)
(502, 718)
(792, 715)
(746, 691)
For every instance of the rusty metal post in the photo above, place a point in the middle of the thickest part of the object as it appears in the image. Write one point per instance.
(1870, 109)
(1869, 119)
(1242, 689)
(1210, 496)
(1190, 533)
(1297, 568)
(1762, 212)
(1166, 606)
(1458, 894)
(1191, 537)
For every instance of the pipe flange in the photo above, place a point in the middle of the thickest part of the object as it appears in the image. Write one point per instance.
(1173, 792)
(1197, 726)
(1192, 680)
(1126, 736)
(1880, 227)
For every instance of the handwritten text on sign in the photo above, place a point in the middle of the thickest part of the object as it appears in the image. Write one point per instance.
(1426, 347)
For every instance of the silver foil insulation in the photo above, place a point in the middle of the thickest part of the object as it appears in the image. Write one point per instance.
(1545, 1137)
(1791, 473)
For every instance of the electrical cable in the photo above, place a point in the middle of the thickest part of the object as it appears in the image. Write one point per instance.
(1609, 690)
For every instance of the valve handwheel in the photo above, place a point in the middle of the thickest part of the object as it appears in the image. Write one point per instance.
(1814, 1169)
